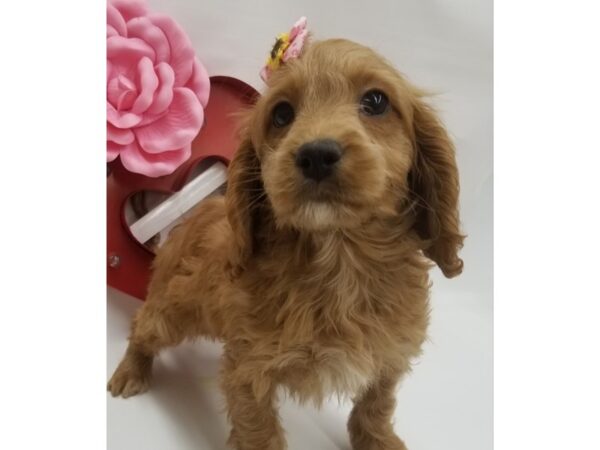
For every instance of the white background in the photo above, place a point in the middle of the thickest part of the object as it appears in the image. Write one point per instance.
(445, 47)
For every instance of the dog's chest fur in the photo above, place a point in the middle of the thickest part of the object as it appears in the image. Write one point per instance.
(337, 313)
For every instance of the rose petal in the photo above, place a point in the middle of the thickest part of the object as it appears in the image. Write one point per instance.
(113, 91)
(112, 151)
(115, 20)
(110, 31)
(142, 28)
(177, 128)
(118, 135)
(125, 53)
(123, 119)
(125, 101)
(199, 82)
(130, 8)
(117, 88)
(147, 82)
(119, 46)
(136, 160)
(111, 71)
(182, 52)
(148, 118)
(126, 84)
(164, 93)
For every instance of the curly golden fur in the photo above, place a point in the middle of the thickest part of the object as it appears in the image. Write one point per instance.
(321, 288)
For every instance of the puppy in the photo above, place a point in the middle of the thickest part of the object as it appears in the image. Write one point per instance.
(313, 268)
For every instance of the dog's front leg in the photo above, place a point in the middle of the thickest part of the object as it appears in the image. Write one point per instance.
(370, 424)
(252, 409)
(159, 323)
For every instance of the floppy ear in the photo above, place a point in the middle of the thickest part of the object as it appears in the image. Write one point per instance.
(243, 200)
(435, 187)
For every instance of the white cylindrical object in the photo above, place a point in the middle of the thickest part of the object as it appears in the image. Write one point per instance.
(179, 203)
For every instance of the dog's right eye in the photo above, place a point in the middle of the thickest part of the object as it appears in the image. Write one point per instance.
(374, 103)
(283, 114)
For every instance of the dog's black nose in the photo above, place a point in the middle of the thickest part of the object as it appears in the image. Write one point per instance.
(317, 159)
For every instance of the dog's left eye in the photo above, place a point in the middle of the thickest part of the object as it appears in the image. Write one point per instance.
(374, 103)
(283, 114)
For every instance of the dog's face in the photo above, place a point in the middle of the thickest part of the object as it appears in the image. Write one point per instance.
(331, 139)
(340, 138)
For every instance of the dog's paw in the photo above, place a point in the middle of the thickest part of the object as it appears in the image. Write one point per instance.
(128, 381)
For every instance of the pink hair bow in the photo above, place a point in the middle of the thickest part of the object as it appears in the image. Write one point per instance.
(287, 46)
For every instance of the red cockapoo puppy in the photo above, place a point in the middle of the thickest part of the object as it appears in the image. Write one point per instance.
(313, 269)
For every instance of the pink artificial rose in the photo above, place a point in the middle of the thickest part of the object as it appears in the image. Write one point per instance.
(156, 90)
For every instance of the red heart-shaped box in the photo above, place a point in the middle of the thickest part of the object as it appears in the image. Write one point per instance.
(128, 260)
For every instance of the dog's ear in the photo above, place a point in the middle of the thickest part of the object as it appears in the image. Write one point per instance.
(434, 185)
(243, 200)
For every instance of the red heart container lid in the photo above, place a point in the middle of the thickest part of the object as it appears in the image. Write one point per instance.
(128, 261)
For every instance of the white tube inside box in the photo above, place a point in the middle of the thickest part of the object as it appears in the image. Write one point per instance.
(170, 210)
